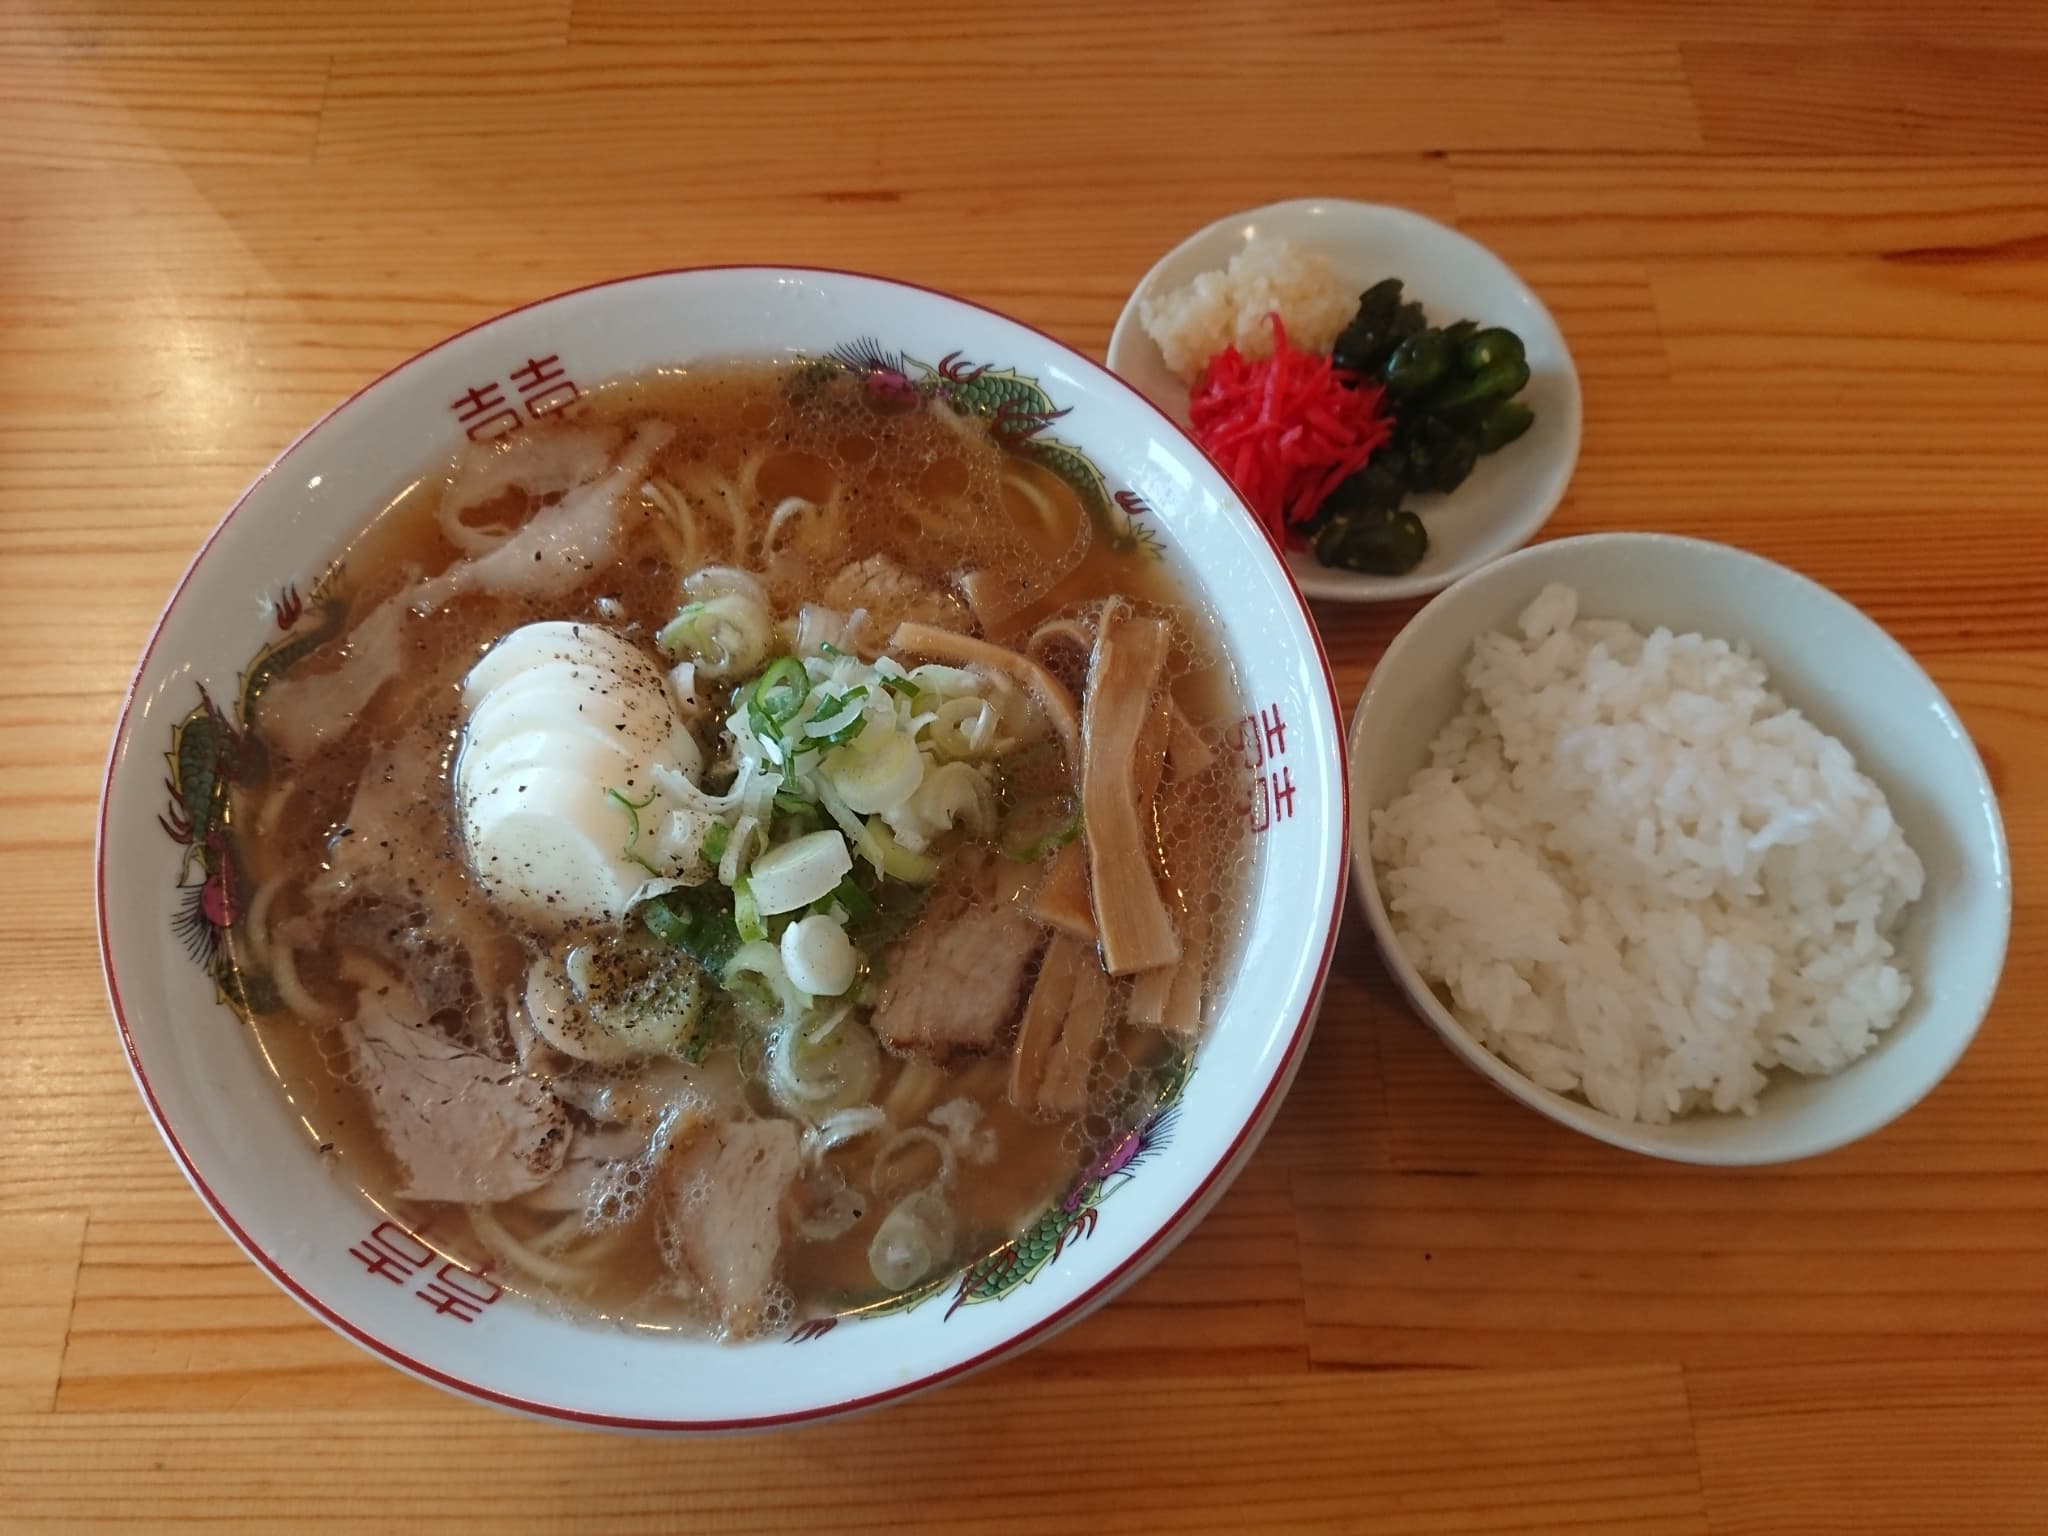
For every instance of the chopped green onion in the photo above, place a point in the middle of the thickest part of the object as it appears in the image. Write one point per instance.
(781, 690)
(902, 687)
(794, 811)
(726, 634)
(774, 699)
(858, 836)
(827, 648)
(701, 1038)
(896, 907)
(699, 923)
(674, 637)
(877, 774)
(848, 897)
(746, 913)
(663, 923)
(632, 808)
(839, 720)
(848, 732)
(897, 861)
(715, 839)
(1038, 848)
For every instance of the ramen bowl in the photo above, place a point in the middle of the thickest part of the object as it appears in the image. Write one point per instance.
(167, 865)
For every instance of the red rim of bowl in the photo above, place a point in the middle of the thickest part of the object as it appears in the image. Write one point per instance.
(1222, 1171)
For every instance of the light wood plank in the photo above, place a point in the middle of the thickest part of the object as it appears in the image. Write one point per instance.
(1608, 310)
(1470, 1452)
(252, 28)
(1050, 36)
(171, 1316)
(1763, 24)
(226, 231)
(1336, 1114)
(1696, 1266)
(1444, 1118)
(1835, 476)
(1779, 319)
(867, 103)
(1819, 1449)
(1234, 1283)
(39, 1257)
(1813, 511)
(1902, 96)
(83, 111)
(1532, 207)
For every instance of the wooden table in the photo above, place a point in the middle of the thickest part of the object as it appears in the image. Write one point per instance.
(1801, 251)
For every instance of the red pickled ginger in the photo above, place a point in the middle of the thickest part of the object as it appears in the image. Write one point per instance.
(1288, 429)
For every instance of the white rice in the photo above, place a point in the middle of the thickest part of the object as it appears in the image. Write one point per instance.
(1639, 877)
(1219, 309)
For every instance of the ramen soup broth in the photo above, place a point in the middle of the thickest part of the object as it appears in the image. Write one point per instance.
(640, 1113)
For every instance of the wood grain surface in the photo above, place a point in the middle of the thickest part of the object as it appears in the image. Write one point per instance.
(1801, 251)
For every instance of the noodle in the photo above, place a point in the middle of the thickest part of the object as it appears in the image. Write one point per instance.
(708, 483)
(676, 527)
(560, 1234)
(769, 557)
(571, 1273)
(887, 1177)
(284, 973)
(273, 808)
(788, 508)
(256, 922)
(1048, 514)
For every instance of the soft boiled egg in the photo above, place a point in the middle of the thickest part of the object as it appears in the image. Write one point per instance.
(565, 724)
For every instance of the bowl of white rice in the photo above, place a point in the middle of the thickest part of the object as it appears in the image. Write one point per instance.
(1678, 848)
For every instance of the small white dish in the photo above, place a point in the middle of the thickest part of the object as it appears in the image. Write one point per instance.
(1513, 492)
(1845, 674)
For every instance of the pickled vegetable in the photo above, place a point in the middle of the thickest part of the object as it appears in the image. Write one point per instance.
(1451, 390)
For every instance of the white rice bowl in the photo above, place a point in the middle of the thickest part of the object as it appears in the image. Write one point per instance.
(1851, 681)
(1642, 878)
